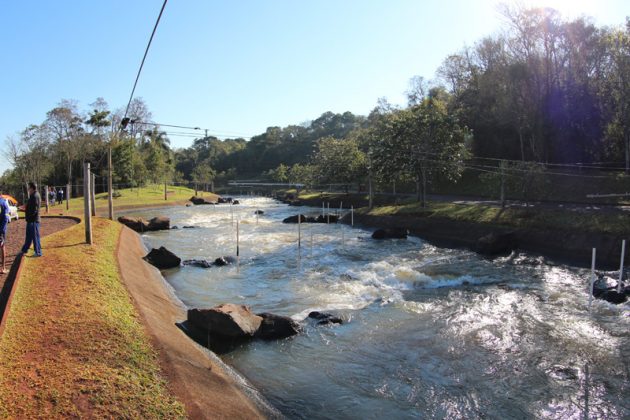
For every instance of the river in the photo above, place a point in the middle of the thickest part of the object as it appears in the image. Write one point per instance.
(429, 332)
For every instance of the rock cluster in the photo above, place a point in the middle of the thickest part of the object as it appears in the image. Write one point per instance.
(201, 201)
(230, 321)
(140, 225)
(331, 218)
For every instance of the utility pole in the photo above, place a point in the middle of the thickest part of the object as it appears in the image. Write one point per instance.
(110, 193)
(93, 193)
(47, 195)
(87, 203)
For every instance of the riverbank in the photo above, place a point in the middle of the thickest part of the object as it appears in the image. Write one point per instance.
(564, 234)
(132, 199)
(194, 373)
(73, 345)
(88, 336)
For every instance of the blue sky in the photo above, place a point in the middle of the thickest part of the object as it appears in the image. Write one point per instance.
(236, 67)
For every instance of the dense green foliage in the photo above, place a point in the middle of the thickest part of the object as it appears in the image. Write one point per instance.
(545, 91)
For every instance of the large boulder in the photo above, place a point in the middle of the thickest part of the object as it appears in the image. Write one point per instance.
(294, 219)
(160, 223)
(135, 223)
(162, 258)
(228, 320)
(496, 243)
(201, 201)
(394, 233)
(259, 212)
(275, 327)
(235, 202)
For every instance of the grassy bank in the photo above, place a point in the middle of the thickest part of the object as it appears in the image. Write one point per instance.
(610, 221)
(74, 345)
(514, 217)
(130, 198)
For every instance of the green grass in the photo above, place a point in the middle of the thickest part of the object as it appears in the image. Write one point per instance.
(133, 197)
(74, 345)
(539, 218)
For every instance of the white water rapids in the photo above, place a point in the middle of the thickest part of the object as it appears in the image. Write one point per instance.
(430, 332)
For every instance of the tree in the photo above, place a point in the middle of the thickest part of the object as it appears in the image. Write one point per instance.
(203, 174)
(281, 173)
(65, 126)
(338, 161)
(421, 141)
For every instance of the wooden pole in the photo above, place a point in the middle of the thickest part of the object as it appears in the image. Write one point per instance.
(93, 193)
(67, 196)
(623, 254)
(165, 198)
(47, 192)
(110, 190)
(87, 203)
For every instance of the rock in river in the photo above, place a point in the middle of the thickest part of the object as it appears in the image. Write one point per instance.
(324, 318)
(394, 233)
(225, 260)
(229, 320)
(201, 201)
(140, 225)
(496, 243)
(275, 327)
(162, 258)
(198, 263)
(294, 219)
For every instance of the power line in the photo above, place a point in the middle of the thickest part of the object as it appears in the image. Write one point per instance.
(146, 51)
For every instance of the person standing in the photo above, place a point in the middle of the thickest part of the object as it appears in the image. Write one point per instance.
(32, 221)
(60, 195)
(4, 221)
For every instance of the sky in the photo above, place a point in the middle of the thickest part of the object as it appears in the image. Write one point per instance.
(237, 67)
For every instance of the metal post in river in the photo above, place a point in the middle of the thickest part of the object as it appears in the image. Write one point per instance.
(590, 295)
(623, 254)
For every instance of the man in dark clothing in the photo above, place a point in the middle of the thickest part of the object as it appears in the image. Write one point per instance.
(32, 221)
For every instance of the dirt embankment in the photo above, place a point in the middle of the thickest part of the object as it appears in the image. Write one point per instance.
(572, 247)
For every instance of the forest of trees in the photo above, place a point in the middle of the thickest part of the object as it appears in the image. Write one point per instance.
(544, 91)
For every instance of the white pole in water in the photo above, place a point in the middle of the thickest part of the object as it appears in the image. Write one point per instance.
(238, 248)
(328, 214)
(232, 214)
(352, 215)
(590, 295)
(257, 216)
(299, 235)
(311, 241)
(340, 210)
(623, 254)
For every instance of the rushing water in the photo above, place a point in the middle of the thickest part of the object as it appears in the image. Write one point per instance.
(430, 332)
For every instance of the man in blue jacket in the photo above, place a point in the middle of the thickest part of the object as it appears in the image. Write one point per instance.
(32, 221)
(4, 221)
